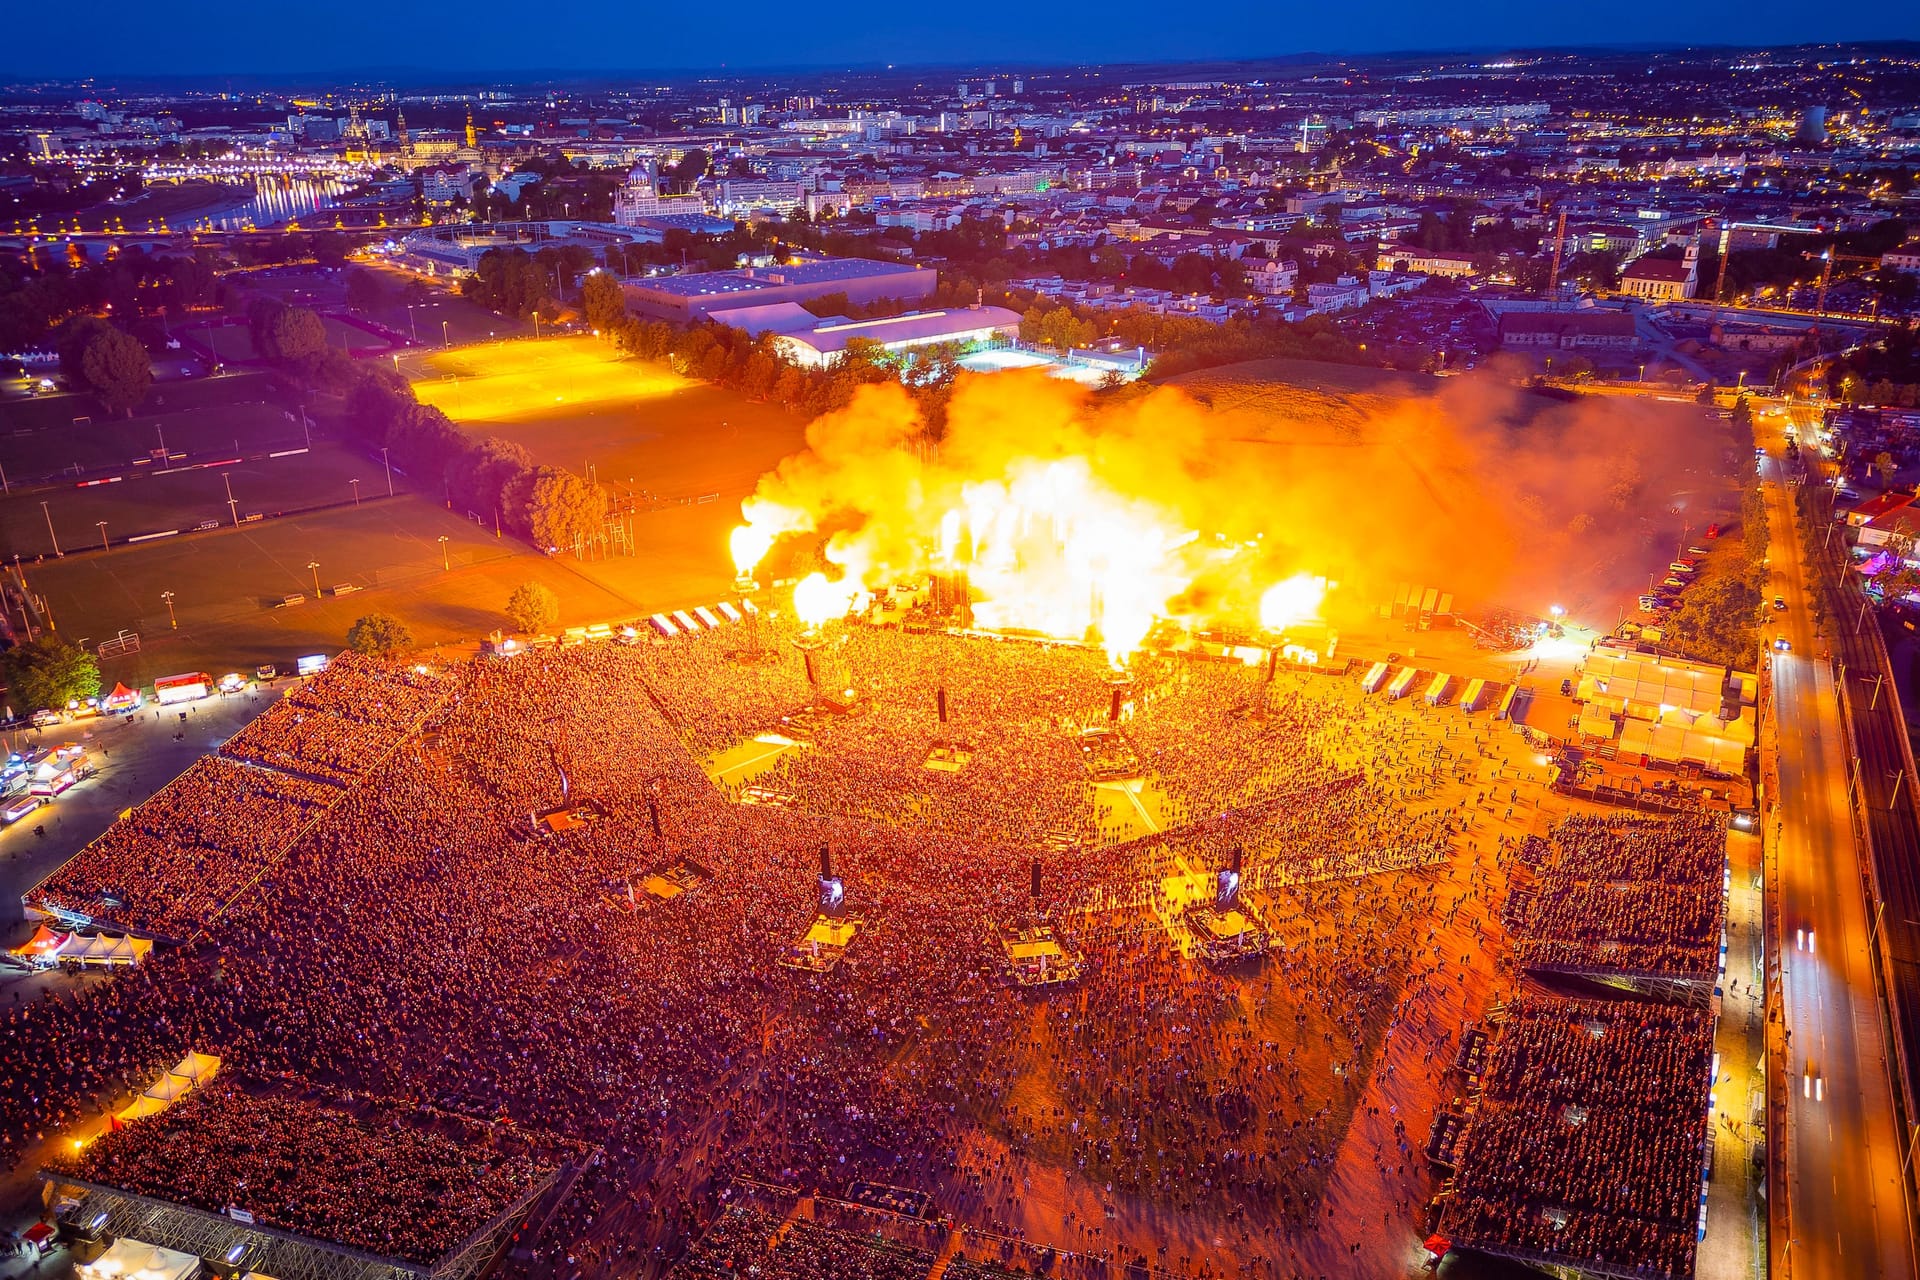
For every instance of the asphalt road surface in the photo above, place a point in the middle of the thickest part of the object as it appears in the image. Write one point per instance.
(1847, 1212)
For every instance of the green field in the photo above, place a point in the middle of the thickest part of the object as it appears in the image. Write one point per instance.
(227, 583)
(681, 453)
(184, 499)
(232, 342)
(60, 455)
(166, 400)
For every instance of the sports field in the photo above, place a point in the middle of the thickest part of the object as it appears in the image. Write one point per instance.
(186, 497)
(177, 399)
(227, 585)
(233, 342)
(680, 453)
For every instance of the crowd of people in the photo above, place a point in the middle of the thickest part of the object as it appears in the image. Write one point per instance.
(420, 943)
(1590, 1135)
(341, 728)
(171, 864)
(389, 1189)
(1630, 895)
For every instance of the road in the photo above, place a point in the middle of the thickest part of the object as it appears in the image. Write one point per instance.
(1847, 1213)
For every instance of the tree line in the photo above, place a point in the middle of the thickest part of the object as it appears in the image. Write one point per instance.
(482, 476)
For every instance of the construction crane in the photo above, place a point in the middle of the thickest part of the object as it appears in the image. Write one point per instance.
(1726, 244)
(1827, 258)
(1559, 243)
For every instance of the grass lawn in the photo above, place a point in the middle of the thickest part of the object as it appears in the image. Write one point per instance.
(183, 499)
(464, 321)
(232, 342)
(226, 583)
(653, 438)
(125, 446)
(48, 413)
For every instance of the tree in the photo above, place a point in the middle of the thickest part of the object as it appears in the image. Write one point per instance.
(1883, 463)
(49, 673)
(380, 635)
(602, 302)
(296, 339)
(482, 472)
(72, 344)
(364, 290)
(115, 368)
(533, 608)
(563, 510)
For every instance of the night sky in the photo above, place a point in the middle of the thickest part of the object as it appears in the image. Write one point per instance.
(120, 37)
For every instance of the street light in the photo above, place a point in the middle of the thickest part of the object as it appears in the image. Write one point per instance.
(233, 505)
(50, 532)
(445, 563)
(389, 466)
(315, 566)
(102, 526)
(356, 491)
(168, 597)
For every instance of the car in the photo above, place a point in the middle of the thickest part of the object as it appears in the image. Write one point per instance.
(46, 719)
(1650, 603)
(1779, 604)
(1698, 551)
(1674, 584)
(1713, 531)
(266, 671)
(1781, 645)
(1680, 566)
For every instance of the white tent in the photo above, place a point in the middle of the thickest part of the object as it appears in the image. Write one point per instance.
(1675, 744)
(169, 1088)
(197, 1067)
(140, 1108)
(1646, 685)
(137, 1260)
(108, 949)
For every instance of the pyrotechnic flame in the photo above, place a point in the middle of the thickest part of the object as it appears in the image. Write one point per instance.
(1084, 521)
(1293, 600)
(749, 545)
(816, 599)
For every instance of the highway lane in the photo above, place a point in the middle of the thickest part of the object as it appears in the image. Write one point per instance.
(1847, 1210)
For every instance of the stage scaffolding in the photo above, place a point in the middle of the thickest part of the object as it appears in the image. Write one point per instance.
(282, 1254)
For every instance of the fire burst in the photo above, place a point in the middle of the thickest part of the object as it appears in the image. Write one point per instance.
(1058, 529)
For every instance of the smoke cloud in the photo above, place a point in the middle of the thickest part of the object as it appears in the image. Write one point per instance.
(1078, 515)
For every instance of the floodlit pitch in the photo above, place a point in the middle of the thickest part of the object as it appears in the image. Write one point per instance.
(511, 381)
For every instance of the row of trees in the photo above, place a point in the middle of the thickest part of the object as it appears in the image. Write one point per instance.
(532, 608)
(1186, 343)
(1718, 619)
(520, 284)
(485, 476)
(128, 286)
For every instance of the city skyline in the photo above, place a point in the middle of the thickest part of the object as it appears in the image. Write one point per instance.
(475, 39)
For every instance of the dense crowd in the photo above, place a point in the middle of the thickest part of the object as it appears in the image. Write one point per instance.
(418, 944)
(1629, 895)
(341, 728)
(172, 863)
(1590, 1135)
(389, 1189)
